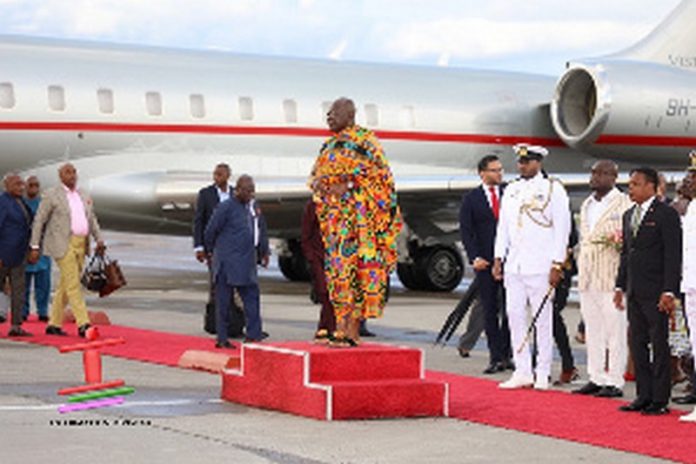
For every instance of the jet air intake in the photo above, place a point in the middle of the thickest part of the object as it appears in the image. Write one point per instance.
(581, 104)
(632, 111)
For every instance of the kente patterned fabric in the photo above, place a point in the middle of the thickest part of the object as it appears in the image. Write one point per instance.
(359, 228)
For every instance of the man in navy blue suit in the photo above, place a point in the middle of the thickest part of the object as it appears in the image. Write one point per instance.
(208, 199)
(236, 234)
(478, 219)
(15, 230)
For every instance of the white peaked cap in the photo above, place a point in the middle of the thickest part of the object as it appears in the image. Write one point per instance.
(525, 149)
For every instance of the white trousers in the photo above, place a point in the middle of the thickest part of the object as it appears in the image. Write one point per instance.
(690, 307)
(605, 329)
(523, 291)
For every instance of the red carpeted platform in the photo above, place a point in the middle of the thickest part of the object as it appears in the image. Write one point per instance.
(371, 381)
(141, 345)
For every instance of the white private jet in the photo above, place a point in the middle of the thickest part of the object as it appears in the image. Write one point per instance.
(145, 126)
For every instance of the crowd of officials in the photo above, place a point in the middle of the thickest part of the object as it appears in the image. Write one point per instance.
(633, 254)
(630, 251)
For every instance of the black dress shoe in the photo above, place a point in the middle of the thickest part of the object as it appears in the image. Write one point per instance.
(463, 353)
(494, 368)
(18, 332)
(688, 399)
(635, 406)
(224, 344)
(2, 319)
(364, 332)
(53, 330)
(655, 410)
(590, 388)
(609, 391)
(43, 318)
(82, 330)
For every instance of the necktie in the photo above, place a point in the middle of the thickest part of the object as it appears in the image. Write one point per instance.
(495, 204)
(635, 220)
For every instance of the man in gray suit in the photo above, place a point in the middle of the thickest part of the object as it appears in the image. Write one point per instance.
(236, 234)
(62, 224)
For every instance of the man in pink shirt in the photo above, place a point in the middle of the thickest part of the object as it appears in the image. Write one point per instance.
(64, 221)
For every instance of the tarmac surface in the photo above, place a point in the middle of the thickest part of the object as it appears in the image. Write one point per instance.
(176, 415)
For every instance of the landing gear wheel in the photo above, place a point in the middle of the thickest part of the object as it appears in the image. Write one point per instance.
(294, 266)
(407, 275)
(439, 268)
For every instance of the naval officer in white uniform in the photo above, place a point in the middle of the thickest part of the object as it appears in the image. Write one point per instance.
(530, 249)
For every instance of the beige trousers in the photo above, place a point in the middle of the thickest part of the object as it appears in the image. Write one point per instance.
(69, 290)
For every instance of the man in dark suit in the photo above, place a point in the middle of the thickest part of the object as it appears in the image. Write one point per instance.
(478, 219)
(15, 231)
(236, 234)
(208, 199)
(649, 274)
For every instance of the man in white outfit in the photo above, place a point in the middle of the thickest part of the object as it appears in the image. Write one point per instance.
(530, 247)
(598, 264)
(688, 285)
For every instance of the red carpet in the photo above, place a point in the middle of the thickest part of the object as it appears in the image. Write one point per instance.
(141, 345)
(592, 421)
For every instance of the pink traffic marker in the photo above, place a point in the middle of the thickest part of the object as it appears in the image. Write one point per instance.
(90, 405)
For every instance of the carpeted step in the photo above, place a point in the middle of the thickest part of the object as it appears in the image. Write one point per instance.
(282, 376)
(388, 398)
(370, 361)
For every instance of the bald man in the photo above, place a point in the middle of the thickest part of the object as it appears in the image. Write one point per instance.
(64, 221)
(605, 326)
(15, 226)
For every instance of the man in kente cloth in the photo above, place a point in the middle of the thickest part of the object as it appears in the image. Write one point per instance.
(355, 199)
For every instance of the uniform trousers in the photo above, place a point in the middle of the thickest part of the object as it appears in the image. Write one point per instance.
(69, 290)
(690, 307)
(605, 329)
(523, 290)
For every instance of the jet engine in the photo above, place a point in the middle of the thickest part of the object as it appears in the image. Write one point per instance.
(619, 107)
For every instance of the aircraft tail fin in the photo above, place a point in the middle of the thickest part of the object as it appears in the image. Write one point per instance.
(672, 42)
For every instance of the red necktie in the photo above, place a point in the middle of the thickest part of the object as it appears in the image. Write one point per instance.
(495, 204)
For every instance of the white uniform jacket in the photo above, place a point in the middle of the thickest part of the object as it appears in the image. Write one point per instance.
(534, 225)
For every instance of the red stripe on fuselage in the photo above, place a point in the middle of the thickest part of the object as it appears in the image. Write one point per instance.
(417, 136)
(269, 131)
(646, 140)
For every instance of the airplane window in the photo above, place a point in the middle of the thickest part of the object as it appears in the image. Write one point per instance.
(7, 99)
(56, 98)
(408, 116)
(371, 114)
(153, 102)
(105, 98)
(246, 108)
(197, 105)
(290, 110)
